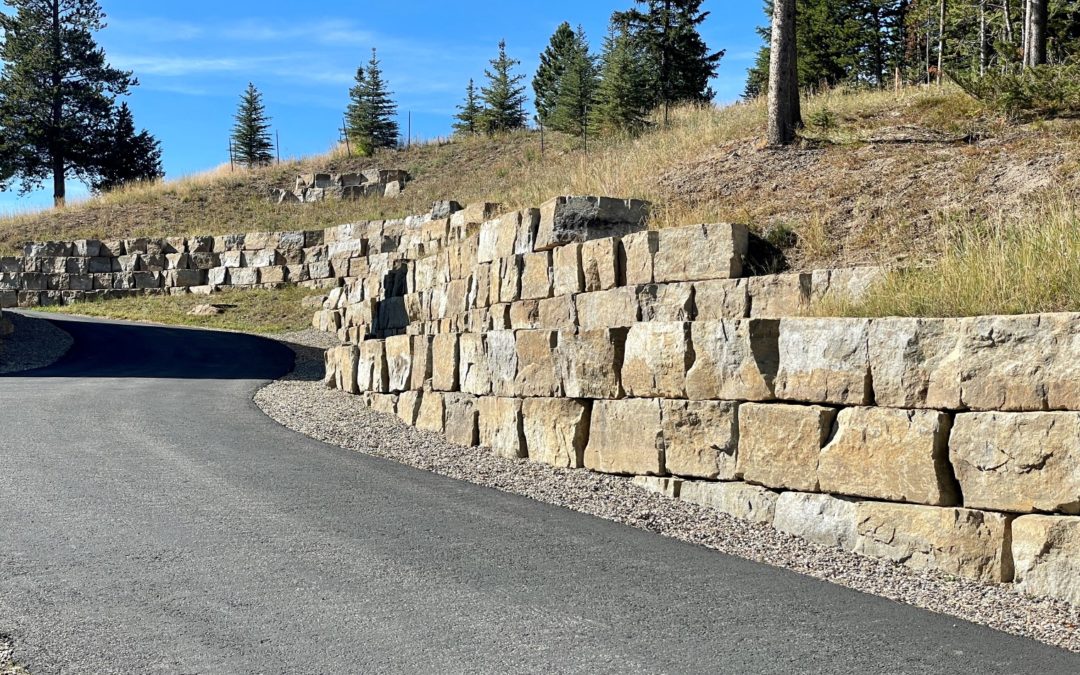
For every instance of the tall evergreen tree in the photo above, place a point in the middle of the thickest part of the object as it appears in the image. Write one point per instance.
(57, 93)
(623, 100)
(668, 31)
(553, 63)
(576, 89)
(251, 132)
(370, 115)
(469, 113)
(504, 97)
(131, 157)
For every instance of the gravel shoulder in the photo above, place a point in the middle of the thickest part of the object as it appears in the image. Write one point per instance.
(301, 402)
(7, 658)
(36, 343)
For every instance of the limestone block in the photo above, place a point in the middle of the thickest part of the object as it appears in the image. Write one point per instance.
(432, 414)
(422, 365)
(111, 248)
(969, 544)
(778, 296)
(567, 274)
(656, 359)
(668, 487)
(185, 278)
(700, 252)
(408, 406)
(824, 361)
(399, 362)
(444, 362)
(600, 264)
(510, 279)
(666, 302)
(474, 214)
(475, 378)
(915, 363)
(616, 308)
(1046, 553)
(701, 438)
(626, 437)
(461, 420)
(502, 362)
(243, 276)
(891, 454)
(525, 315)
(373, 373)
(636, 253)
(1019, 462)
(779, 444)
(261, 258)
(87, 248)
(204, 260)
(267, 275)
(525, 240)
(230, 259)
(739, 500)
(501, 427)
(480, 287)
(589, 362)
(558, 313)
(217, 276)
(500, 316)
(536, 276)
(845, 284)
(821, 519)
(498, 236)
(734, 360)
(568, 220)
(556, 430)
(536, 371)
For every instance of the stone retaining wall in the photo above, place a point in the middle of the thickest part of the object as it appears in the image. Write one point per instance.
(572, 336)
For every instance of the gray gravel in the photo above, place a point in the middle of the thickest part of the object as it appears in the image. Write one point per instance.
(36, 343)
(7, 658)
(301, 403)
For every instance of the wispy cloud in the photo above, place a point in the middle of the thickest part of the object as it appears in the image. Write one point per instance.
(155, 29)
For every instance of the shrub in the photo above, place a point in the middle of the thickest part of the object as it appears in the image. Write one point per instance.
(1040, 92)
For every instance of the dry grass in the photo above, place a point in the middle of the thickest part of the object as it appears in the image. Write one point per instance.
(256, 311)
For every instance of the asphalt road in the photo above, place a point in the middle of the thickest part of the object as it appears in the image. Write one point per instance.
(152, 519)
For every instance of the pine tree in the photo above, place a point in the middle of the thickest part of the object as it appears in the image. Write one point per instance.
(553, 62)
(468, 119)
(504, 97)
(131, 157)
(57, 93)
(371, 111)
(576, 89)
(623, 100)
(251, 133)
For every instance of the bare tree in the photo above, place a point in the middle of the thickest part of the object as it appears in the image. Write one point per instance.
(1035, 32)
(785, 112)
(941, 42)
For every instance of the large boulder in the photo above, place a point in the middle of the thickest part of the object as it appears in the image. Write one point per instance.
(824, 361)
(701, 438)
(614, 308)
(1046, 554)
(915, 363)
(568, 220)
(537, 375)
(461, 419)
(501, 427)
(1018, 462)
(740, 500)
(556, 430)
(626, 437)
(399, 361)
(700, 252)
(733, 360)
(656, 359)
(502, 362)
(779, 444)
(589, 363)
(821, 519)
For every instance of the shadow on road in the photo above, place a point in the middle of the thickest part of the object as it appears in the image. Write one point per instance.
(108, 349)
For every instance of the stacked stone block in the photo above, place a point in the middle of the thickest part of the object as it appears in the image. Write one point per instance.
(571, 335)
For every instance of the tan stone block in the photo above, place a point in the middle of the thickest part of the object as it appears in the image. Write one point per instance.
(719, 249)
(701, 438)
(891, 454)
(845, 284)
(969, 544)
(473, 373)
(1019, 462)
(656, 359)
(408, 407)
(383, 403)
(373, 373)
(510, 279)
(822, 519)
(600, 264)
(525, 314)
(500, 348)
(626, 437)
(668, 487)
(480, 287)
(422, 366)
(501, 426)
(399, 361)
(739, 500)
(536, 372)
(498, 236)
(824, 361)
(558, 313)
(444, 362)
(779, 444)
(500, 317)
(589, 362)
(556, 430)
(432, 414)
(778, 296)
(666, 302)
(636, 253)
(568, 275)
(462, 422)
(536, 276)
(733, 360)
(915, 363)
(616, 308)
(1046, 553)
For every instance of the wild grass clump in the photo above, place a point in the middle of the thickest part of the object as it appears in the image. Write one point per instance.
(1011, 265)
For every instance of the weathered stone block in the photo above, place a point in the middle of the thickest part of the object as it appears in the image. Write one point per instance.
(734, 360)
(444, 362)
(473, 370)
(568, 275)
(243, 276)
(502, 362)
(666, 302)
(525, 315)
(525, 240)
(509, 280)
(636, 253)
(558, 313)
(537, 375)
(461, 420)
(590, 362)
(969, 544)
(824, 361)
(372, 372)
(422, 366)
(408, 406)
(616, 308)
(739, 500)
(568, 220)
(700, 252)
(891, 454)
(779, 444)
(656, 359)
(556, 430)
(1046, 553)
(915, 363)
(778, 296)
(668, 487)
(536, 276)
(701, 438)
(501, 426)
(626, 437)
(600, 264)
(399, 361)
(1019, 462)
(432, 413)
(846, 284)
(497, 237)
(821, 519)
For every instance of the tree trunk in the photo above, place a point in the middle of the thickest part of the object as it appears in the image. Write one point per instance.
(982, 38)
(784, 110)
(1035, 54)
(1006, 12)
(56, 144)
(941, 43)
(1026, 26)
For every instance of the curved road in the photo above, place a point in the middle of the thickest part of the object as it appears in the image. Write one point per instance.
(152, 519)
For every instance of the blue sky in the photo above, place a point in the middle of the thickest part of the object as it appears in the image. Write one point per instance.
(193, 59)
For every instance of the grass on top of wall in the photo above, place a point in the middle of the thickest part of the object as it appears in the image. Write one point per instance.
(253, 311)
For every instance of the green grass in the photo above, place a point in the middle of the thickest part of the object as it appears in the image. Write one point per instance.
(254, 311)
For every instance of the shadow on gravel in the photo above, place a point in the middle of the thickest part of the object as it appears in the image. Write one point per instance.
(125, 350)
(310, 363)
